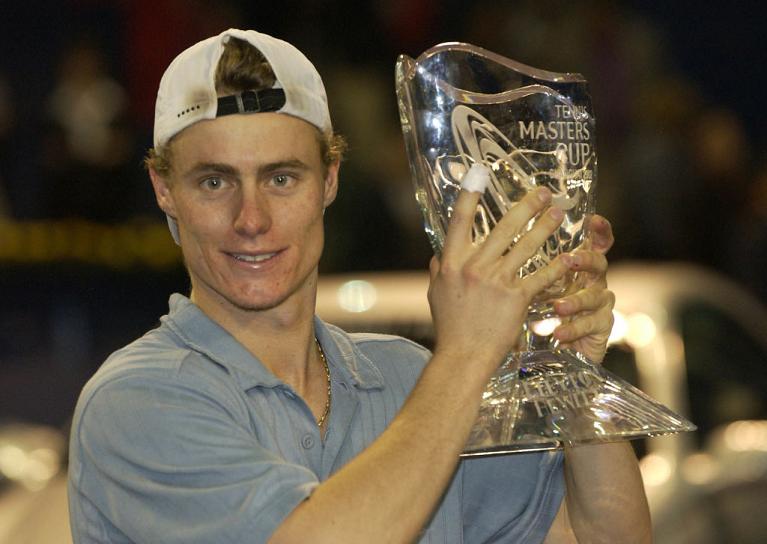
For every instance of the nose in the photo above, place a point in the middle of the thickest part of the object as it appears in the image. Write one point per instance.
(253, 215)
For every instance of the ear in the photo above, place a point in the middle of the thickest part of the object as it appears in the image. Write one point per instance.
(163, 193)
(331, 184)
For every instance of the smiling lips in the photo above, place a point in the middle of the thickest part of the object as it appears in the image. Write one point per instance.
(253, 258)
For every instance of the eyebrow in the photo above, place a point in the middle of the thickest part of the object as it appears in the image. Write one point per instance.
(212, 167)
(263, 170)
(290, 164)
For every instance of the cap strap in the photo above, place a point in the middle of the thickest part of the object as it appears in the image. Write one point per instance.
(251, 102)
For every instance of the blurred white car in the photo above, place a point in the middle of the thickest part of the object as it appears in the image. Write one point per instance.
(689, 338)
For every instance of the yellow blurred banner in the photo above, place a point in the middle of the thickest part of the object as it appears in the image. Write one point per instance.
(137, 244)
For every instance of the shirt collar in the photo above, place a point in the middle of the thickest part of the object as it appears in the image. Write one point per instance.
(344, 354)
(205, 336)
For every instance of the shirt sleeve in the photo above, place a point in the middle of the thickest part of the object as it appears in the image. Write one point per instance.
(511, 498)
(158, 460)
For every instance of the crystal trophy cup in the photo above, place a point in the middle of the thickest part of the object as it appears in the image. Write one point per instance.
(461, 105)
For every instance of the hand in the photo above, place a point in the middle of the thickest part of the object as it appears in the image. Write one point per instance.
(589, 312)
(478, 302)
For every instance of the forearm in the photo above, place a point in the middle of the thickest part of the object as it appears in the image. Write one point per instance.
(389, 491)
(605, 495)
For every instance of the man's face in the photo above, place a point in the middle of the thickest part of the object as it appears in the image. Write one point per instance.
(248, 192)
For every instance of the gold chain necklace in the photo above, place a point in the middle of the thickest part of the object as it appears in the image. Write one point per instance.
(325, 413)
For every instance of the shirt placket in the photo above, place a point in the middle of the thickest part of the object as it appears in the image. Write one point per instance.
(342, 411)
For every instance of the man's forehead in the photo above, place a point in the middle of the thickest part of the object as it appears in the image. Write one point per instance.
(247, 138)
(202, 167)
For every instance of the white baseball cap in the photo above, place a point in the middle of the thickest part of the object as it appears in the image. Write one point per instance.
(187, 92)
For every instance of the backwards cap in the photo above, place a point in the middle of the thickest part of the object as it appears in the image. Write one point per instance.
(187, 92)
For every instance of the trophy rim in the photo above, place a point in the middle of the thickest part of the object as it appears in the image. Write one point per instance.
(539, 73)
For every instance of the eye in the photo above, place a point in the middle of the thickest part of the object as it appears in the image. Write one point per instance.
(212, 183)
(282, 180)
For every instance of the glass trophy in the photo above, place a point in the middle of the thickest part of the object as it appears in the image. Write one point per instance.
(461, 105)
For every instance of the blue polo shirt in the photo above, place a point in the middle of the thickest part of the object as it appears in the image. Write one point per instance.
(184, 436)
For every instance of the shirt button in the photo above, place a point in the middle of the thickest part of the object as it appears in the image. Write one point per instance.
(307, 441)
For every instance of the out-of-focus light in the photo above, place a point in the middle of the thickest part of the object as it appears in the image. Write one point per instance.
(456, 169)
(656, 470)
(12, 461)
(746, 436)
(545, 327)
(33, 469)
(357, 296)
(620, 328)
(699, 468)
(42, 465)
(641, 330)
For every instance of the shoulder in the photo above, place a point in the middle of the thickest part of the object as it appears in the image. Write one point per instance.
(158, 356)
(148, 377)
(379, 358)
(380, 346)
(375, 343)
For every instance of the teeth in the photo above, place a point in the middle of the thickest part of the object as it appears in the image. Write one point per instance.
(253, 258)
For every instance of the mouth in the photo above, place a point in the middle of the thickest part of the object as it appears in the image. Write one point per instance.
(253, 258)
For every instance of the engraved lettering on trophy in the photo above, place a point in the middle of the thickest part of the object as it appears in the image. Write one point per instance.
(574, 135)
(561, 393)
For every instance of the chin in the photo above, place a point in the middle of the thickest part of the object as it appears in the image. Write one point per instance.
(255, 305)
(255, 302)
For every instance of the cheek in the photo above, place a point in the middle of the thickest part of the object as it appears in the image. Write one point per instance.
(308, 234)
(201, 240)
(204, 221)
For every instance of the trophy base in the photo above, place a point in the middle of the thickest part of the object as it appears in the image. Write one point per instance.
(548, 399)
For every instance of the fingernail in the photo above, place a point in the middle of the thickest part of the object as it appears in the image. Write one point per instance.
(543, 194)
(567, 259)
(556, 213)
(563, 305)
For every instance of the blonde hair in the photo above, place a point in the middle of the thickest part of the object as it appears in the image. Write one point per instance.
(242, 67)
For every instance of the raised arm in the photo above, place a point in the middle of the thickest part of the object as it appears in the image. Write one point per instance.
(605, 499)
(389, 491)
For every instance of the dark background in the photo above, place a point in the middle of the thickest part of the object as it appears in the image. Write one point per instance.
(86, 264)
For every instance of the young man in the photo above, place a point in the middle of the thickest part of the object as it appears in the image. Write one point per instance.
(244, 418)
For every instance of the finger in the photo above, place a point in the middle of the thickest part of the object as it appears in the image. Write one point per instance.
(433, 267)
(602, 238)
(465, 208)
(586, 300)
(588, 324)
(592, 262)
(514, 222)
(529, 244)
(533, 284)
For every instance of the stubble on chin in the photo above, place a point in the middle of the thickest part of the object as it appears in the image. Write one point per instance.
(262, 302)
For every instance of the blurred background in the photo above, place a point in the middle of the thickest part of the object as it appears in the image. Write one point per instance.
(87, 265)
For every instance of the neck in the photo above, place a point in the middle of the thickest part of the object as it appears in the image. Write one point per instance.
(282, 337)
